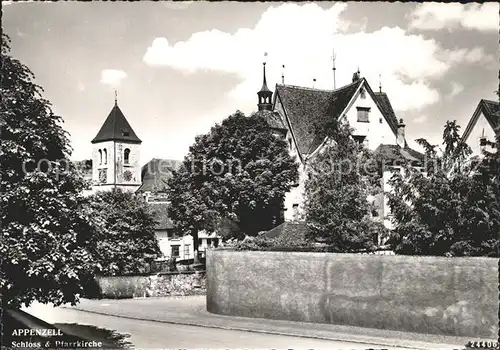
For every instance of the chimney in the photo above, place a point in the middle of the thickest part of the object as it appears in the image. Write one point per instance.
(400, 138)
(356, 76)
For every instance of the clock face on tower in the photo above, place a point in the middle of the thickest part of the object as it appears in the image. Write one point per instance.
(127, 175)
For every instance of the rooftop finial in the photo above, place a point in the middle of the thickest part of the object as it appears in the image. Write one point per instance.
(314, 82)
(264, 65)
(283, 75)
(116, 98)
(380, 82)
(334, 69)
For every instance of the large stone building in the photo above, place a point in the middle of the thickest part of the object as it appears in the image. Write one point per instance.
(291, 112)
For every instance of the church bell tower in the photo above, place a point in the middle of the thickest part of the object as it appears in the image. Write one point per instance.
(116, 154)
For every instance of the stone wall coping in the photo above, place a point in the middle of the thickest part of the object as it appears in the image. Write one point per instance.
(340, 255)
(167, 273)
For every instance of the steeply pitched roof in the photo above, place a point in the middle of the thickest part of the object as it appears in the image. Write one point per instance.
(161, 215)
(272, 118)
(155, 174)
(288, 231)
(385, 106)
(491, 111)
(117, 128)
(492, 114)
(306, 107)
(394, 153)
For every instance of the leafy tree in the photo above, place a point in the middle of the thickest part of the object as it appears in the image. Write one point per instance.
(125, 242)
(45, 225)
(453, 209)
(238, 173)
(340, 180)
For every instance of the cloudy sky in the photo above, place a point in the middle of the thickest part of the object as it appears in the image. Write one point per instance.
(181, 67)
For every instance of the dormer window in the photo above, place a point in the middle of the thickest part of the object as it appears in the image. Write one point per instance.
(125, 132)
(363, 114)
(126, 156)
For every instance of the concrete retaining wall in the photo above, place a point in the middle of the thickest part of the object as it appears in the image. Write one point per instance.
(153, 285)
(449, 296)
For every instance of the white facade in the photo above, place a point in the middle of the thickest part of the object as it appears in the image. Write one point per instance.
(294, 199)
(385, 212)
(179, 247)
(480, 129)
(182, 248)
(376, 130)
(111, 169)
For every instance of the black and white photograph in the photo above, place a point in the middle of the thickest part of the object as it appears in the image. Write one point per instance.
(249, 175)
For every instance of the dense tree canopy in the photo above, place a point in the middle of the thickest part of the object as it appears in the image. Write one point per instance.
(125, 242)
(340, 180)
(45, 225)
(454, 209)
(239, 172)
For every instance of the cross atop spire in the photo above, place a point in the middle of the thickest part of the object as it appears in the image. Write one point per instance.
(116, 98)
(380, 83)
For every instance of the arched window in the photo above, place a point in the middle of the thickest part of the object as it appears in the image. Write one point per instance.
(105, 156)
(126, 156)
(100, 157)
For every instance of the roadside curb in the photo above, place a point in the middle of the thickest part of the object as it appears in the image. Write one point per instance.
(368, 339)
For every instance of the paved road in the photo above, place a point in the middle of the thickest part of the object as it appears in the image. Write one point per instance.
(156, 335)
(191, 311)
